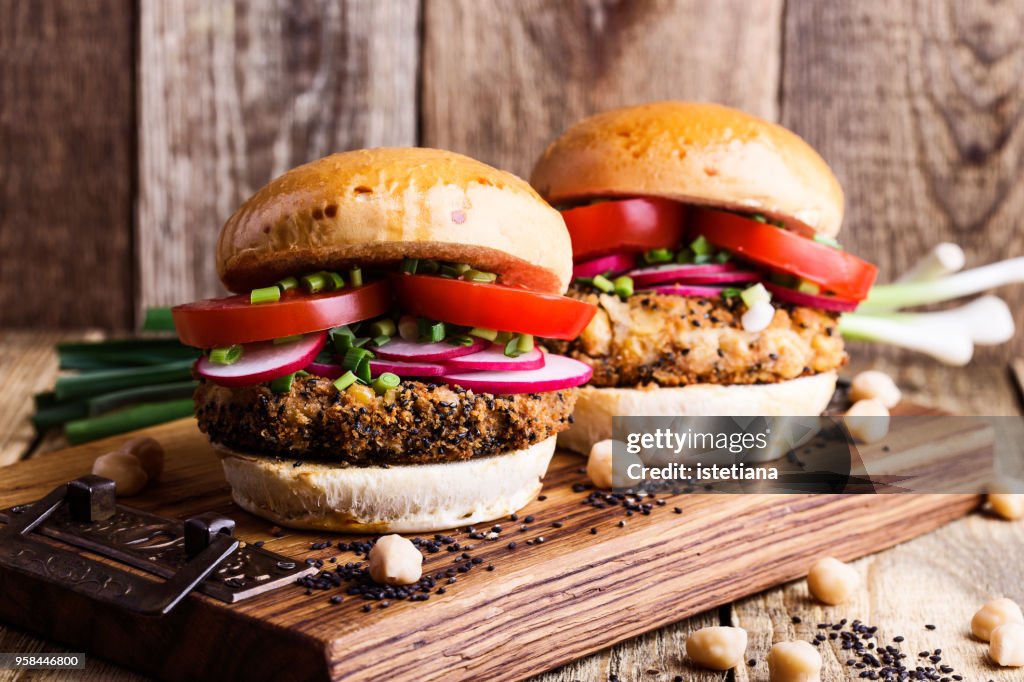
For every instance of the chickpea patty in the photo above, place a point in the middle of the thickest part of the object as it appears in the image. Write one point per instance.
(677, 341)
(416, 423)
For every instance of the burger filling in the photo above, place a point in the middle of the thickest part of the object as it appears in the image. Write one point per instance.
(676, 340)
(414, 423)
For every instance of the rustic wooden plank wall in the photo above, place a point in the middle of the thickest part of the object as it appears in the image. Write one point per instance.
(235, 93)
(66, 158)
(921, 119)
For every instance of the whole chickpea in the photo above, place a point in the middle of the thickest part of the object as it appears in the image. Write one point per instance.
(607, 472)
(149, 453)
(124, 469)
(867, 420)
(993, 614)
(875, 385)
(831, 581)
(717, 648)
(794, 662)
(394, 560)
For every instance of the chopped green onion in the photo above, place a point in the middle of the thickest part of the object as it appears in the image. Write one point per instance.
(335, 280)
(264, 295)
(482, 333)
(385, 381)
(282, 384)
(345, 380)
(703, 259)
(758, 217)
(158, 320)
(429, 332)
(806, 287)
(585, 281)
(302, 373)
(603, 283)
(684, 256)
(409, 265)
(383, 327)
(623, 286)
(460, 340)
(701, 246)
(363, 371)
(755, 294)
(315, 282)
(730, 292)
(354, 356)
(287, 339)
(428, 267)
(226, 356)
(512, 348)
(408, 328)
(659, 256)
(479, 276)
(827, 241)
(381, 340)
(355, 276)
(287, 283)
(342, 338)
(525, 343)
(460, 268)
(723, 257)
(503, 337)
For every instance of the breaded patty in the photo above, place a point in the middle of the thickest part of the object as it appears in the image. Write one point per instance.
(415, 423)
(677, 341)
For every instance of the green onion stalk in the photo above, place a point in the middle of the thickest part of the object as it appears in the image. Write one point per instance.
(947, 335)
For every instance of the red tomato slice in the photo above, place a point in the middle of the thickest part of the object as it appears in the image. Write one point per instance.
(492, 306)
(638, 224)
(218, 322)
(783, 251)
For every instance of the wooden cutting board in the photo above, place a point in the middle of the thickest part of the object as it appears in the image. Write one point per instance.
(542, 605)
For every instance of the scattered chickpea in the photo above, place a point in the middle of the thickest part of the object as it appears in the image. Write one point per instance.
(1008, 505)
(394, 560)
(993, 614)
(831, 581)
(607, 472)
(149, 453)
(1007, 645)
(876, 385)
(717, 648)
(867, 420)
(124, 469)
(795, 661)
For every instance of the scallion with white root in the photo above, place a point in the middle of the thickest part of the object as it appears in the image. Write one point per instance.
(947, 335)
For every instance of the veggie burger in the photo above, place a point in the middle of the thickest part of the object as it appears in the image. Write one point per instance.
(707, 237)
(377, 370)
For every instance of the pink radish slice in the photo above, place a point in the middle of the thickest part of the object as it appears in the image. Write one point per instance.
(400, 349)
(326, 370)
(263, 361)
(558, 372)
(795, 297)
(615, 263)
(406, 369)
(494, 359)
(688, 290)
(679, 272)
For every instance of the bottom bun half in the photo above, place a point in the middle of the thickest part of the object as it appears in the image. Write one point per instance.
(592, 418)
(397, 499)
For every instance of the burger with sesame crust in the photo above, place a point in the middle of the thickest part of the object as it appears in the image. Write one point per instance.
(707, 238)
(377, 369)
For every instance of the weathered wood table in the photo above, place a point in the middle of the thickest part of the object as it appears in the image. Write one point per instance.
(938, 579)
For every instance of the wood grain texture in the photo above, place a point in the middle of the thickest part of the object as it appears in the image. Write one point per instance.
(66, 160)
(502, 79)
(584, 590)
(234, 93)
(28, 365)
(918, 107)
(905, 588)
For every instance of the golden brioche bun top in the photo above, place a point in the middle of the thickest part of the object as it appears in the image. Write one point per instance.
(695, 153)
(376, 206)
